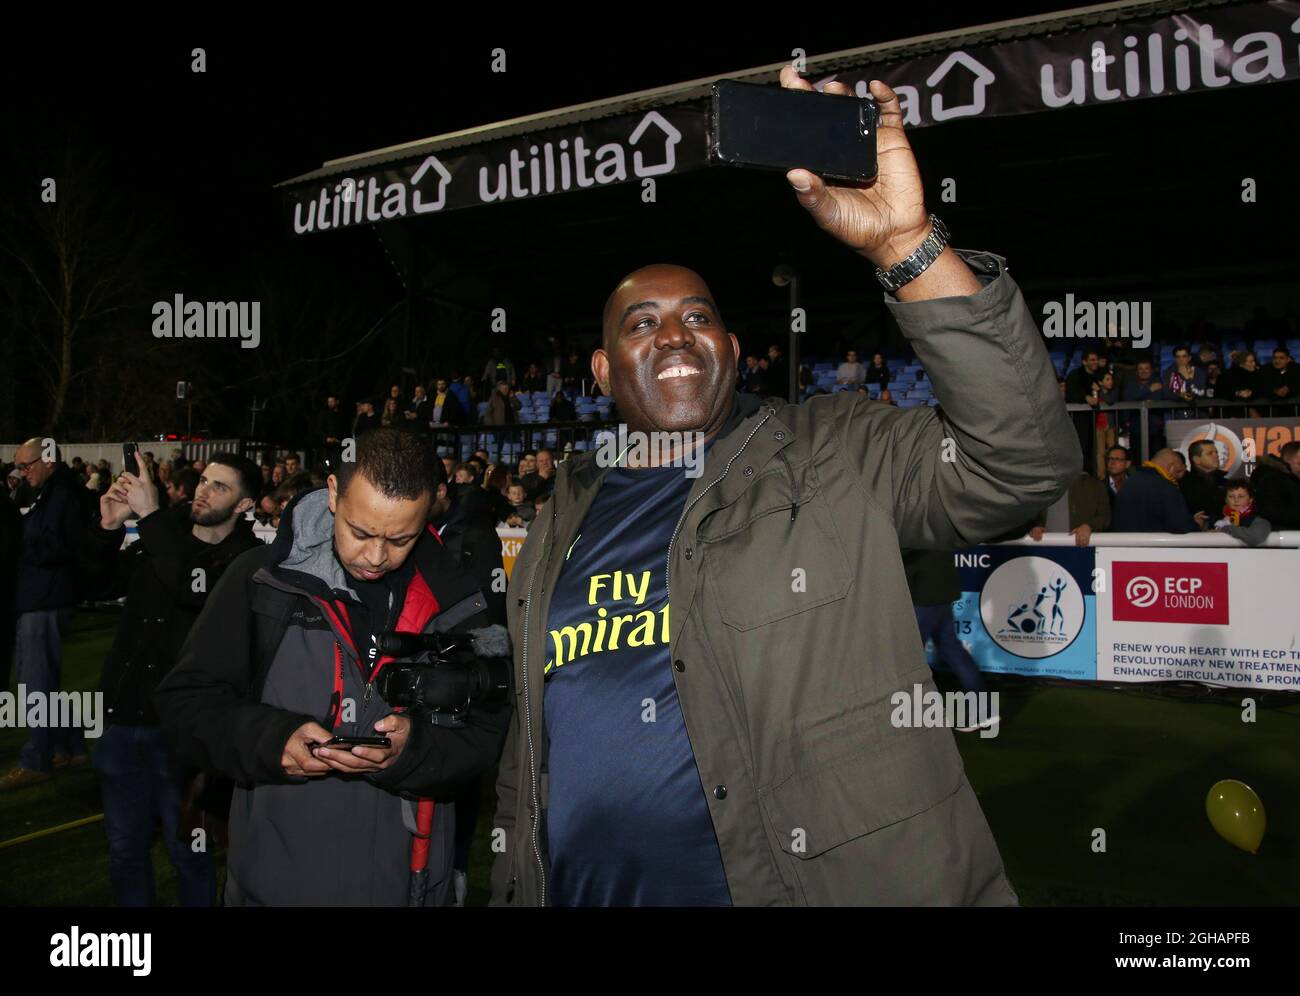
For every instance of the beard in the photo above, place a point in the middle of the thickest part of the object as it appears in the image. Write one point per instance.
(211, 516)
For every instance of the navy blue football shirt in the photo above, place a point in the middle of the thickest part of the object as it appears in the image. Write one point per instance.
(627, 821)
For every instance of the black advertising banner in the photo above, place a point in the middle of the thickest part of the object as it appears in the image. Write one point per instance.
(593, 154)
(1205, 49)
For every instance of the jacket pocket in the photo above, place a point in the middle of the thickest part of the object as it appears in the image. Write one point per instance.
(765, 566)
(851, 778)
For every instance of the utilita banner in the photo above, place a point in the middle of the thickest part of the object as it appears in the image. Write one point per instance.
(1181, 53)
(1205, 49)
(593, 154)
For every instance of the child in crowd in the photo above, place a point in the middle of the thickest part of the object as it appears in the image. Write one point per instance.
(522, 511)
(1240, 520)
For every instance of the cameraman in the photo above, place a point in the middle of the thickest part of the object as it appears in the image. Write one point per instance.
(284, 657)
(166, 576)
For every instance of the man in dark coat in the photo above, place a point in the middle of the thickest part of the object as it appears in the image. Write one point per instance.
(285, 657)
(53, 532)
(181, 553)
(1277, 487)
(1151, 502)
(1203, 484)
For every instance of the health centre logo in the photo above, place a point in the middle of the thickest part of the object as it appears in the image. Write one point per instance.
(1032, 607)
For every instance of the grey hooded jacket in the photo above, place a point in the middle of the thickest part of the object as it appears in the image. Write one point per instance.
(230, 706)
(789, 690)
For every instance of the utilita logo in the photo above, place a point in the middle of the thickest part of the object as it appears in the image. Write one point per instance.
(1171, 593)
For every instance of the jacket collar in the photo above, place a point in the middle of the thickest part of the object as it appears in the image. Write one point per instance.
(585, 473)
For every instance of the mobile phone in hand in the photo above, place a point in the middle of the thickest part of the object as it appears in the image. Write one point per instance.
(355, 742)
(128, 457)
(771, 127)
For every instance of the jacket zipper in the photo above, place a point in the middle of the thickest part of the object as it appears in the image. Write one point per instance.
(528, 717)
(370, 671)
(528, 605)
(668, 564)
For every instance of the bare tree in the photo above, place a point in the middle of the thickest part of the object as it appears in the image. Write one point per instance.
(80, 261)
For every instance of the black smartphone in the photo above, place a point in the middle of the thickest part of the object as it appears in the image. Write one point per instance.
(128, 457)
(770, 127)
(355, 742)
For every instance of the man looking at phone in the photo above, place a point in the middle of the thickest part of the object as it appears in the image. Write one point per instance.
(181, 553)
(284, 659)
(697, 724)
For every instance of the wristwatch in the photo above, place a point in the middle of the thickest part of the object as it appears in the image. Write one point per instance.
(907, 270)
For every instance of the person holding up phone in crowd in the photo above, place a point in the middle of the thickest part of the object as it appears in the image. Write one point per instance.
(166, 576)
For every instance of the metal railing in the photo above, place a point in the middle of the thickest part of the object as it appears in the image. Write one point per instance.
(1196, 408)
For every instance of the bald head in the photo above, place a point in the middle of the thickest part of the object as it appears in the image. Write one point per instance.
(665, 355)
(36, 462)
(634, 288)
(1171, 462)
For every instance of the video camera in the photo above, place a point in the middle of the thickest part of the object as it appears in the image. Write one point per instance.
(461, 670)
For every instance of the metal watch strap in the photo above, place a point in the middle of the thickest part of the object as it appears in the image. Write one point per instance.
(907, 270)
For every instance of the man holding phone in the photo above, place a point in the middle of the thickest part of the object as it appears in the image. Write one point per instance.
(181, 553)
(277, 683)
(698, 723)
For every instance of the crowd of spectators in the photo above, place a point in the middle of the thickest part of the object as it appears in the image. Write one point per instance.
(1165, 495)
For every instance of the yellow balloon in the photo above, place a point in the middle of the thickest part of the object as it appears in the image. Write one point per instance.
(1236, 814)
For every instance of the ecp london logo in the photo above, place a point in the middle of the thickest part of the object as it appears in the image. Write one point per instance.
(1170, 592)
(1141, 592)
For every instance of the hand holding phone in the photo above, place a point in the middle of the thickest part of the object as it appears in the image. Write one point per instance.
(886, 219)
(350, 742)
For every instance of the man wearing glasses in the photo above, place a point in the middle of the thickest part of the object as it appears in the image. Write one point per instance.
(52, 532)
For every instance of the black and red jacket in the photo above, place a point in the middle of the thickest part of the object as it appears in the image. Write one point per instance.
(273, 649)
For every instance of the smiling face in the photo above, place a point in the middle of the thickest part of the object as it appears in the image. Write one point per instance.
(668, 360)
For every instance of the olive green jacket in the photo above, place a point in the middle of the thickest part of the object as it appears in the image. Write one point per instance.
(791, 624)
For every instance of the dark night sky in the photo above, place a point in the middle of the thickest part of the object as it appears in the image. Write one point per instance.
(199, 154)
(274, 105)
